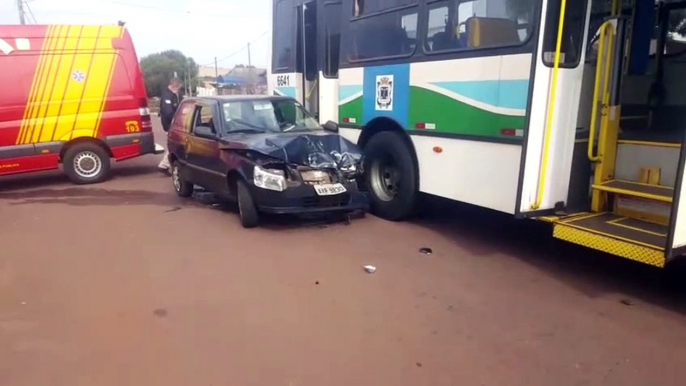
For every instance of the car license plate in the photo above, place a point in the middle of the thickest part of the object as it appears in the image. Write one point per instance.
(329, 189)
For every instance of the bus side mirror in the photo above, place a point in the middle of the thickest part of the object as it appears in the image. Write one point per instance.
(331, 126)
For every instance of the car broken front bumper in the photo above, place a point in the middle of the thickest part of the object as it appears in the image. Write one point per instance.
(303, 200)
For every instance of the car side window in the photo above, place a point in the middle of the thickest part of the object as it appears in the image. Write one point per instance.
(204, 116)
(181, 117)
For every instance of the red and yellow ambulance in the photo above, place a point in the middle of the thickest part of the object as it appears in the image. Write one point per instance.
(72, 95)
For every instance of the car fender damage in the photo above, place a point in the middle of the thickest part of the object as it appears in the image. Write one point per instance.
(286, 165)
(299, 152)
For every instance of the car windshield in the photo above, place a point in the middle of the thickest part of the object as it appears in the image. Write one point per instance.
(267, 116)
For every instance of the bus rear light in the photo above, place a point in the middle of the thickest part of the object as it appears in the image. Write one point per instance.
(349, 120)
(438, 149)
(426, 126)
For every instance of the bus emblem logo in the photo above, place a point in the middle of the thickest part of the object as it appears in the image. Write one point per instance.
(384, 93)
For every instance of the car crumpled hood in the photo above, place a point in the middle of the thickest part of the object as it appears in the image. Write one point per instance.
(312, 149)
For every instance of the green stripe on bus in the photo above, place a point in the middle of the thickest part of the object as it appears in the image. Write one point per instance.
(454, 117)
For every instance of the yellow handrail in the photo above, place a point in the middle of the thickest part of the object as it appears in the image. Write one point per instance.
(551, 109)
(601, 65)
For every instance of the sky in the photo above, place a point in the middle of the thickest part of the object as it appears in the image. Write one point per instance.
(202, 29)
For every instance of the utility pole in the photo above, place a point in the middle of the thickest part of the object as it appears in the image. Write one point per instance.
(249, 61)
(250, 78)
(20, 7)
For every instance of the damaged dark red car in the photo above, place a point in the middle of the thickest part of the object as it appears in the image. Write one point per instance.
(267, 153)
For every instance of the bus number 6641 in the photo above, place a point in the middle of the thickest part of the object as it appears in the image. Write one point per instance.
(283, 80)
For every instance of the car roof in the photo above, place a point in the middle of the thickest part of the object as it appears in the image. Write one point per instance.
(240, 98)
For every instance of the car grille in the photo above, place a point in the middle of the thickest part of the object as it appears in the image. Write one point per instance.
(336, 201)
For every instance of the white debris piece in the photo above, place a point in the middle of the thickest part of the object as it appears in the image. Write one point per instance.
(370, 268)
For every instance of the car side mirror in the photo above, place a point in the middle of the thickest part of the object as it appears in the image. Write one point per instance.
(331, 126)
(204, 132)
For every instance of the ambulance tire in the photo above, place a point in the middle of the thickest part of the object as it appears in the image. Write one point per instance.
(390, 176)
(86, 163)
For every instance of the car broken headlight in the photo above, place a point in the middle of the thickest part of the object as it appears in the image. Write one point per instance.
(271, 179)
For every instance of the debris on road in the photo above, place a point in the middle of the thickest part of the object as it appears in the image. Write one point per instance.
(160, 312)
(426, 251)
(174, 209)
(627, 302)
(370, 268)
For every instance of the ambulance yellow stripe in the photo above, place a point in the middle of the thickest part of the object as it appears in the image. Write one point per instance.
(31, 101)
(81, 63)
(117, 32)
(62, 80)
(49, 85)
(97, 86)
(45, 68)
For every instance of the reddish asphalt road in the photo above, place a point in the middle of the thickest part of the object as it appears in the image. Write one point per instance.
(110, 285)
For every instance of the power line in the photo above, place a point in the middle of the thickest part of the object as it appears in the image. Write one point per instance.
(186, 12)
(26, 3)
(151, 7)
(238, 51)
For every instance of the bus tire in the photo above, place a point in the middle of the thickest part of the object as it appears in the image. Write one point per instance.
(390, 176)
(86, 163)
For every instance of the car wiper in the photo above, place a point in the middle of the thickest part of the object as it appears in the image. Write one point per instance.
(244, 123)
(245, 131)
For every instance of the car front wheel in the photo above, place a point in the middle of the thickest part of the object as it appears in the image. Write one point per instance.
(247, 210)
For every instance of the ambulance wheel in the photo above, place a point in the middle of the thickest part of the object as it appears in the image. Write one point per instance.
(86, 163)
(247, 210)
(390, 176)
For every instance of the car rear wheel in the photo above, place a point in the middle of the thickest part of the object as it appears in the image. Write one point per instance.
(390, 176)
(181, 186)
(86, 163)
(246, 206)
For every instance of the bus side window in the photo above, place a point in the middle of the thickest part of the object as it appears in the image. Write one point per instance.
(572, 34)
(454, 24)
(387, 34)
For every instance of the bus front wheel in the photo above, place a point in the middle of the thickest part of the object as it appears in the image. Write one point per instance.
(390, 176)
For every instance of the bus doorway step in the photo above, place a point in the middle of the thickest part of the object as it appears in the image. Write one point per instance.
(617, 235)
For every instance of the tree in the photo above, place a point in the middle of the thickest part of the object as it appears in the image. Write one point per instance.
(160, 67)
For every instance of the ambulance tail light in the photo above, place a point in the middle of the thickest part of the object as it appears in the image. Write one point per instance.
(144, 111)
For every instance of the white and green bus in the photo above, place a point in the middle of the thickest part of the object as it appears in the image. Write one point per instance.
(576, 120)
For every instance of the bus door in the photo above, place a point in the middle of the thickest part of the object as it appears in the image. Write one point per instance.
(329, 49)
(307, 34)
(553, 108)
(286, 76)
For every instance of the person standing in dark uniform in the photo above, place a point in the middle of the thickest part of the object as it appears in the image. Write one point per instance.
(169, 103)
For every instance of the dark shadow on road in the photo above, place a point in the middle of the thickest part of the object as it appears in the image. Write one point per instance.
(56, 177)
(87, 196)
(486, 233)
(275, 222)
